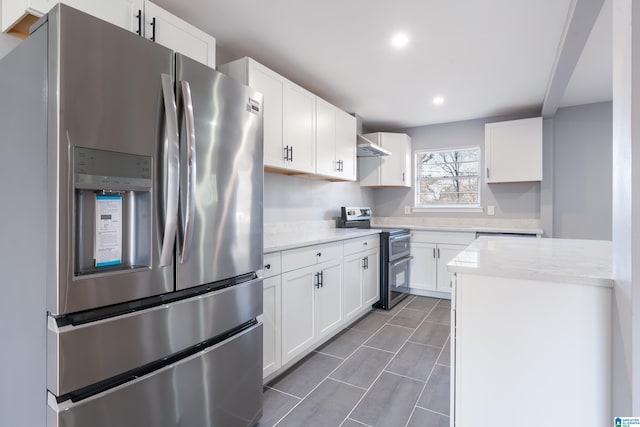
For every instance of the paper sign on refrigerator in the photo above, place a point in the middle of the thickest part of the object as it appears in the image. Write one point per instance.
(108, 230)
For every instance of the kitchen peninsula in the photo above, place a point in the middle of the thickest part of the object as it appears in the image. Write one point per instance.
(531, 332)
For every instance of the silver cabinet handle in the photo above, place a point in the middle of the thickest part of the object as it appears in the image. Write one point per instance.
(434, 252)
(286, 153)
(170, 171)
(438, 252)
(488, 173)
(189, 214)
(402, 261)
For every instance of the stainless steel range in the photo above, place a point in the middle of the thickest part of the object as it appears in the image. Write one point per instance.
(395, 254)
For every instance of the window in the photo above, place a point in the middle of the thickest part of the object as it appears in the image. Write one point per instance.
(448, 178)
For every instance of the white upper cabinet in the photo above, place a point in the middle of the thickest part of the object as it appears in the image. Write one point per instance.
(513, 150)
(139, 16)
(128, 14)
(387, 171)
(335, 142)
(289, 116)
(298, 131)
(176, 34)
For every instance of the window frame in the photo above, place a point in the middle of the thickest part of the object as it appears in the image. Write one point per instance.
(475, 207)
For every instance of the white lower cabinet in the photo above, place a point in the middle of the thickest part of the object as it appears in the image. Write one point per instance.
(432, 251)
(445, 254)
(311, 293)
(311, 306)
(271, 354)
(298, 311)
(361, 276)
(352, 285)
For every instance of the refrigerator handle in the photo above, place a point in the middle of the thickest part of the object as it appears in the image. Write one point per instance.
(171, 172)
(190, 192)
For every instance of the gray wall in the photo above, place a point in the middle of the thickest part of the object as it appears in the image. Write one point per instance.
(517, 200)
(289, 198)
(582, 172)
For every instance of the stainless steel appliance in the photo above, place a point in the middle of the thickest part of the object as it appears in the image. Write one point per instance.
(141, 218)
(395, 254)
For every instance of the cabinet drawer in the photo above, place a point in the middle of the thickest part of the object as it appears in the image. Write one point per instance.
(310, 255)
(272, 265)
(452, 237)
(352, 246)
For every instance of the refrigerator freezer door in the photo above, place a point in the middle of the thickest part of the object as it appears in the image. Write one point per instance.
(226, 217)
(105, 98)
(219, 386)
(79, 356)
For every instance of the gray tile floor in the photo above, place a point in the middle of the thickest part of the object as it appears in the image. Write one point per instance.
(390, 369)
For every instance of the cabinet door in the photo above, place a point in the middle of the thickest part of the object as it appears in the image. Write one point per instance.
(271, 356)
(299, 111)
(513, 150)
(123, 13)
(329, 298)
(395, 170)
(346, 144)
(298, 312)
(445, 254)
(353, 273)
(271, 86)
(371, 278)
(326, 139)
(423, 266)
(176, 34)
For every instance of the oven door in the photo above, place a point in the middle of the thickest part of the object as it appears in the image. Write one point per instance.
(399, 246)
(398, 279)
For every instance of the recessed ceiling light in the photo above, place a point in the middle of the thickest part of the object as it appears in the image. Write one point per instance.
(399, 40)
(438, 100)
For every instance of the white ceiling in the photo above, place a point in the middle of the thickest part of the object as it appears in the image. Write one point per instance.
(486, 58)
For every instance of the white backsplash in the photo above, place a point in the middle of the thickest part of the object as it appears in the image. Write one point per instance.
(298, 227)
(516, 223)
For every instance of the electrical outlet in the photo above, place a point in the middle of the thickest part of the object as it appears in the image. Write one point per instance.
(407, 210)
(491, 210)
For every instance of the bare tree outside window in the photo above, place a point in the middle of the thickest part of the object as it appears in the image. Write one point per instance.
(447, 178)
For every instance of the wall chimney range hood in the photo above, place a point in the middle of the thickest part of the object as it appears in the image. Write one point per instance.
(367, 148)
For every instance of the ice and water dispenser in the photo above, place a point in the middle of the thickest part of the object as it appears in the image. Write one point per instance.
(113, 211)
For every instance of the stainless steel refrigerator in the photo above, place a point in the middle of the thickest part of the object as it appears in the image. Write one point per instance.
(132, 241)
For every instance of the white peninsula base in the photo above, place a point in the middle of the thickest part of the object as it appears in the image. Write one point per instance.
(530, 351)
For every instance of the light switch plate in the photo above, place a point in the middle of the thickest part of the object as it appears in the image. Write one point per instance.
(407, 210)
(491, 210)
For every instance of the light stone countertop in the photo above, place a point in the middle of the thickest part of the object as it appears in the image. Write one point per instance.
(471, 229)
(556, 260)
(486, 225)
(290, 240)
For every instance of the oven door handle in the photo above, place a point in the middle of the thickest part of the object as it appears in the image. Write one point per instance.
(402, 261)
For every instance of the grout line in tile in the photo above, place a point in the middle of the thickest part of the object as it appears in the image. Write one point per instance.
(327, 354)
(344, 382)
(399, 326)
(376, 348)
(427, 345)
(283, 392)
(431, 410)
(425, 385)
(323, 380)
(300, 400)
(355, 421)
(384, 370)
(404, 376)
